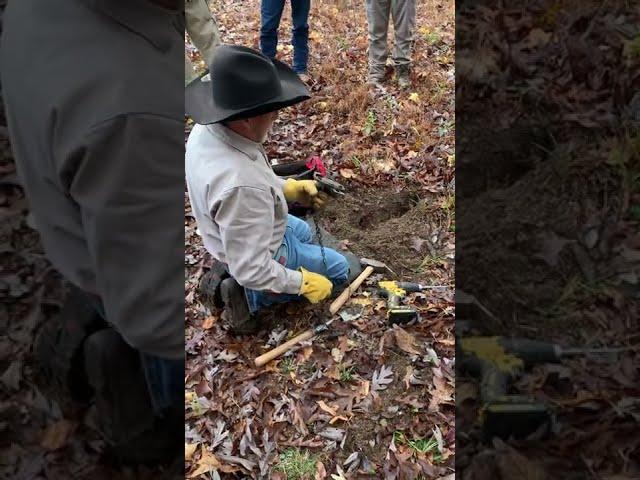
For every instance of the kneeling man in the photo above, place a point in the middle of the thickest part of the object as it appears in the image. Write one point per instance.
(239, 203)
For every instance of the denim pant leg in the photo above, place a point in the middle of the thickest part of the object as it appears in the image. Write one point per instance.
(299, 228)
(300, 34)
(295, 253)
(270, 15)
(165, 379)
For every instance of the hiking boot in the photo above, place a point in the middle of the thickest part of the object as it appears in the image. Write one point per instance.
(236, 310)
(58, 347)
(210, 283)
(402, 74)
(134, 434)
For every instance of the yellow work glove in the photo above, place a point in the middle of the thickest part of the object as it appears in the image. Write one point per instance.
(305, 192)
(314, 286)
(318, 202)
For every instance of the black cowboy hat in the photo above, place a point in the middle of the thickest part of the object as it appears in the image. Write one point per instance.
(244, 83)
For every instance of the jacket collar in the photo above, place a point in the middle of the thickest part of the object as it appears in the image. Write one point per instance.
(251, 149)
(157, 25)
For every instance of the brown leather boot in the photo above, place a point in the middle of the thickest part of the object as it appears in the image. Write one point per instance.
(236, 310)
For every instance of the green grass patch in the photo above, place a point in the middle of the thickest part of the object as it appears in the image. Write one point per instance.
(370, 123)
(297, 465)
(433, 37)
(346, 374)
(288, 365)
(419, 445)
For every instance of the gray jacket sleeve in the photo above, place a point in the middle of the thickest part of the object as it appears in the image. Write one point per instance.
(245, 216)
(130, 194)
(202, 28)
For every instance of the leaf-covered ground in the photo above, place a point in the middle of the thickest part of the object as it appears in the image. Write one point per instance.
(548, 236)
(368, 400)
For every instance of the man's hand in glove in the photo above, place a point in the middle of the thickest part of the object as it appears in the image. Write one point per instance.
(314, 286)
(304, 192)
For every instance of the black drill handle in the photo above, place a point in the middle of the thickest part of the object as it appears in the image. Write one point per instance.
(532, 351)
(410, 287)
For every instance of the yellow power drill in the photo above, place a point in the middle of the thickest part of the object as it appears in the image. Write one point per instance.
(497, 361)
(395, 291)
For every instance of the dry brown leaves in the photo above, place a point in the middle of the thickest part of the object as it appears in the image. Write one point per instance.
(341, 397)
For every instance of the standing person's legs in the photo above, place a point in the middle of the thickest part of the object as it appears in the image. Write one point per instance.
(300, 34)
(202, 28)
(404, 20)
(378, 24)
(270, 14)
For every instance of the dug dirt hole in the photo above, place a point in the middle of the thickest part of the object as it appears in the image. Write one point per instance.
(394, 226)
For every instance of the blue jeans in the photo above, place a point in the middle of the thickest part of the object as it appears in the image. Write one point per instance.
(270, 14)
(297, 251)
(165, 377)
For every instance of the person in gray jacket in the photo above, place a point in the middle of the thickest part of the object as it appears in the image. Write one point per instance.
(202, 27)
(239, 203)
(99, 152)
(403, 13)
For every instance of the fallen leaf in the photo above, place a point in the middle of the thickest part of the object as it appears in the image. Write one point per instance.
(226, 356)
(339, 417)
(437, 434)
(306, 353)
(441, 393)
(466, 391)
(382, 378)
(405, 341)
(407, 377)
(414, 97)
(351, 313)
(550, 246)
(536, 39)
(323, 406)
(209, 322)
(189, 450)
(337, 355)
(432, 357)
(339, 475)
(247, 464)
(332, 433)
(363, 389)
(321, 472)
(12, 375)
(57, 435)
(417, 243)
(347, 173)
(207, 463)
(351, 458)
